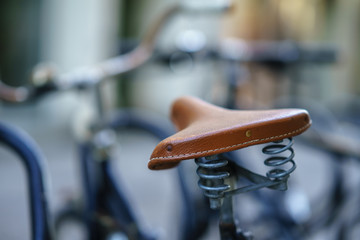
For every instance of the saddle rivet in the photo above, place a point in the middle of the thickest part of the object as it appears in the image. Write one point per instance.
(248, 133)
(169, 147)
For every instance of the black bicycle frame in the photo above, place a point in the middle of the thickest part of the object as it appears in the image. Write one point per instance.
(104, 194)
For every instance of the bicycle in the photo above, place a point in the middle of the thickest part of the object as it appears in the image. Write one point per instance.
(281, 57)
(104, 199)
(338, 139)
(295, 121)
(205, 132)
(84, 78)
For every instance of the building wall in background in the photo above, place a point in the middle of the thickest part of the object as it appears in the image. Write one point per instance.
(81, 32)
(19, 39)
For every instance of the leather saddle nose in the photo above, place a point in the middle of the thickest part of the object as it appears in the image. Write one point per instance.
(205, 129)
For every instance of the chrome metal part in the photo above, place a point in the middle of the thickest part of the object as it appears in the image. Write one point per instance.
(277, 160)
(212, 173)
(215, 180)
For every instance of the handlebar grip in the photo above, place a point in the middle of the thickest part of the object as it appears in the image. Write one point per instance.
(13, 94)
(41, 83)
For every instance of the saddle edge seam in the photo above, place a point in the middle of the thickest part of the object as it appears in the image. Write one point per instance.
(235, 145)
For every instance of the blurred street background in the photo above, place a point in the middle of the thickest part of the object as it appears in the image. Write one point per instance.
(72, 34)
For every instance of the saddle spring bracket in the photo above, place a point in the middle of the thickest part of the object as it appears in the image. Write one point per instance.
(214, 173)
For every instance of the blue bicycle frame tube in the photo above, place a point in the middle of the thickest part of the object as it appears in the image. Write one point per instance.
(30, 156)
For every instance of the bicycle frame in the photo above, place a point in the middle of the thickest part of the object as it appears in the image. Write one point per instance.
(31, 158)
(104, 196)
(102, 191)
(98, 171)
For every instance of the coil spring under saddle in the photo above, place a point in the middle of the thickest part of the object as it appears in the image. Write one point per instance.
(212, 172)
(277, 159)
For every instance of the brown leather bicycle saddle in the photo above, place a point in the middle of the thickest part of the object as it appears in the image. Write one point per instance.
(205, 129)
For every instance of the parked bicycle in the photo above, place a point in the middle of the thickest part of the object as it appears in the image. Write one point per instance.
(105, 209)
(206, 131)
(95, 155)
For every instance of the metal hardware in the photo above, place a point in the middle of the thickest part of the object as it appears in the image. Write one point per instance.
(212, 173)
(103, 141)
(275, 149)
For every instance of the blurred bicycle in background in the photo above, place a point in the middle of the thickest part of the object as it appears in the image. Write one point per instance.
(259, 63)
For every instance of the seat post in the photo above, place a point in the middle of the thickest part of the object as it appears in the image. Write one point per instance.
(227, 223)
(216, 177)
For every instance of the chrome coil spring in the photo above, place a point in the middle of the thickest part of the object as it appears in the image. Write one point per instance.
(276, 149)
(212, 174)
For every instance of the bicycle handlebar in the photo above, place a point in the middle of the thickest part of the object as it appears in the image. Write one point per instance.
(286, 52)
(44, 75)
(92, 75)
(44, 79)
